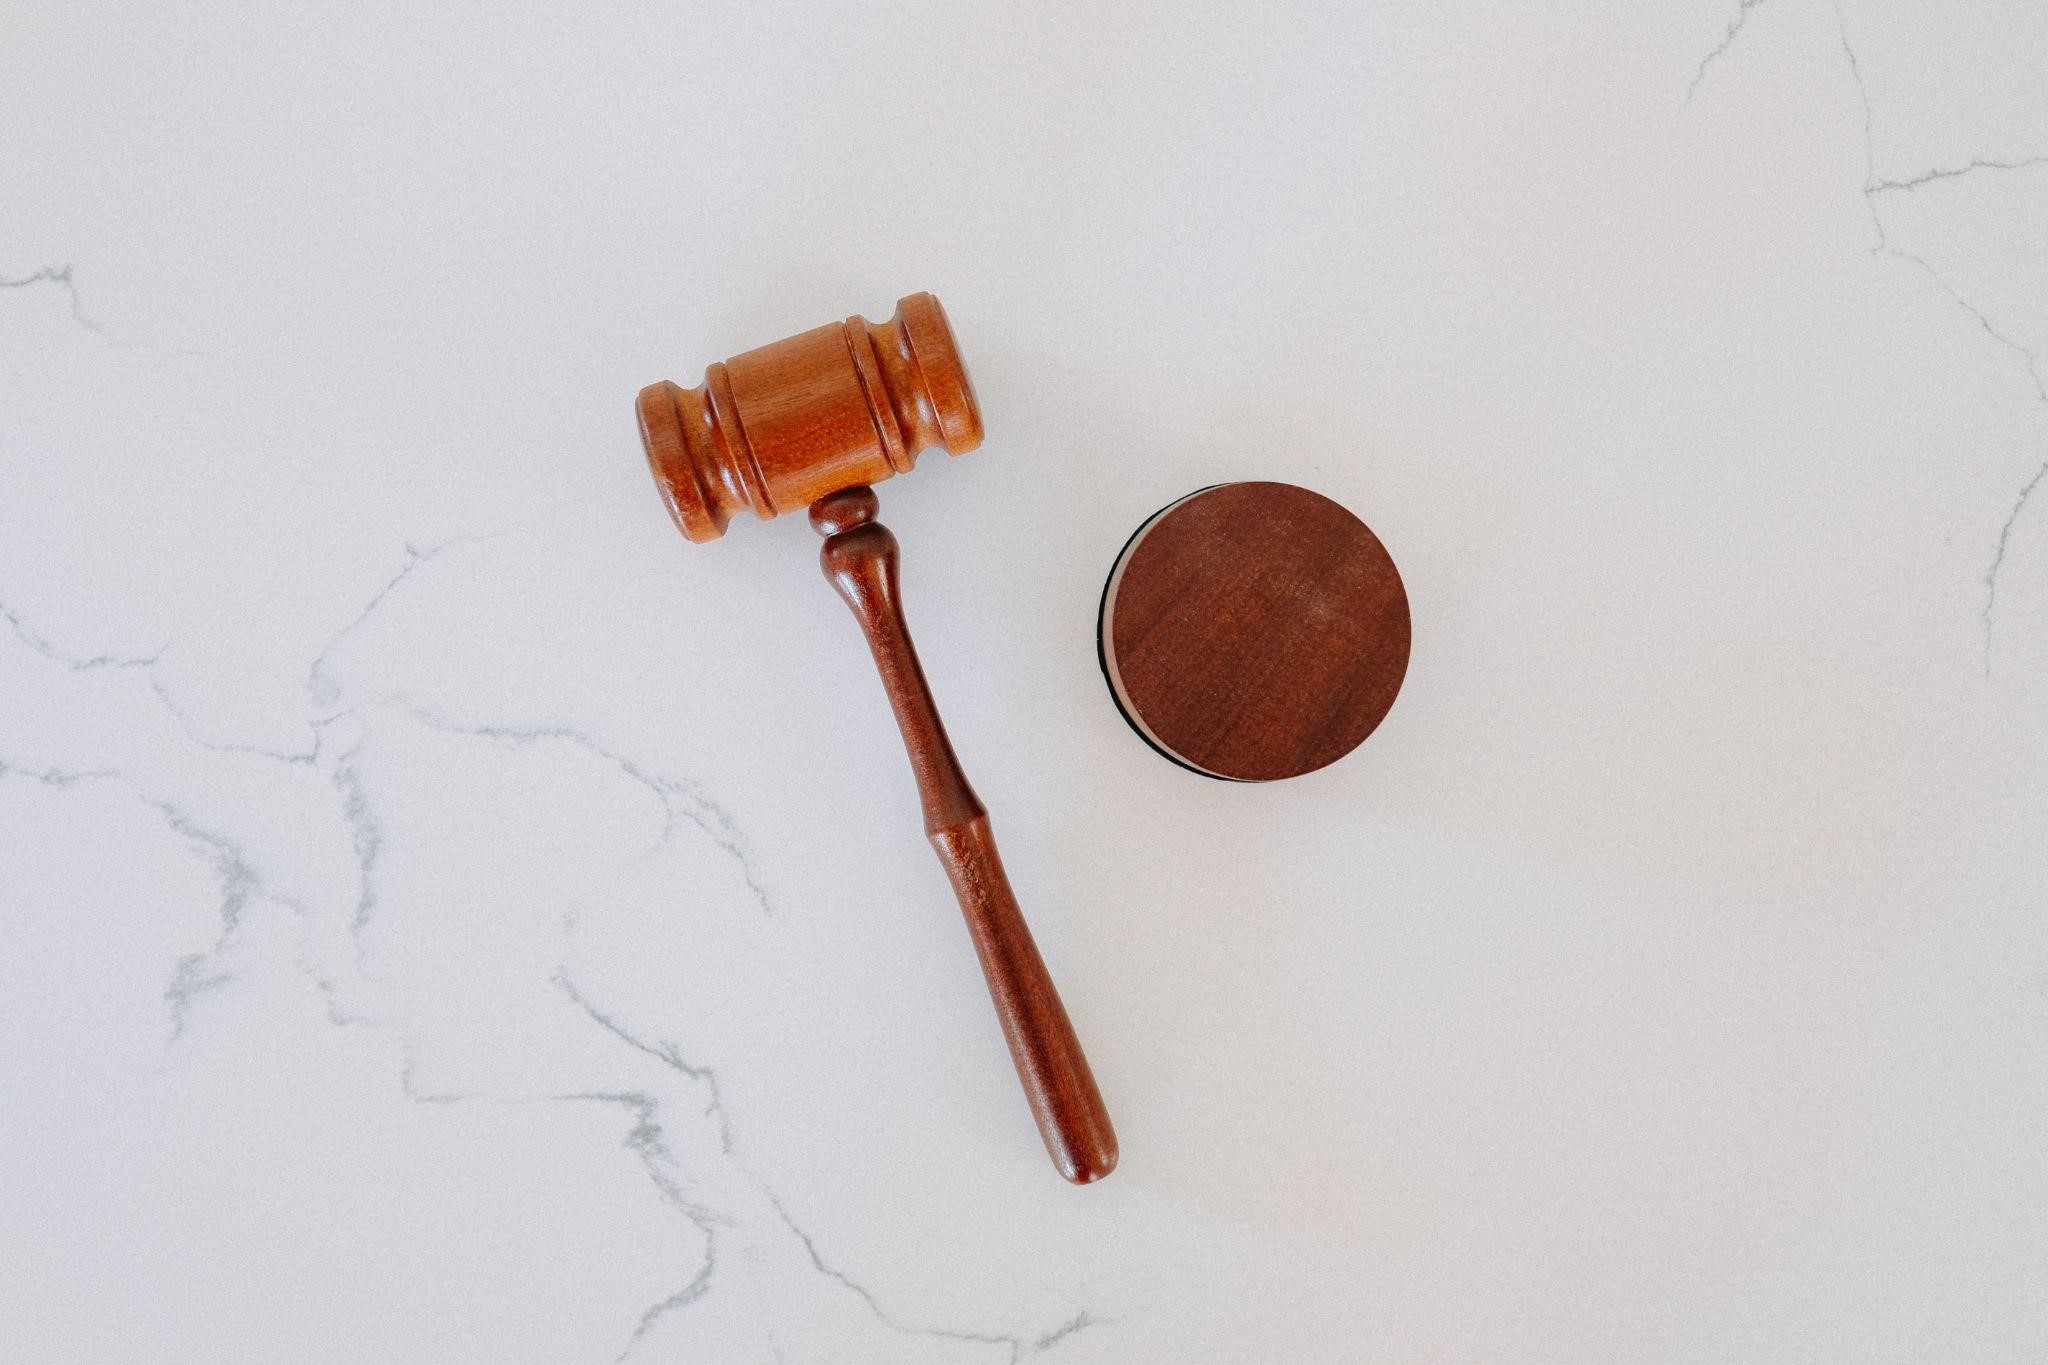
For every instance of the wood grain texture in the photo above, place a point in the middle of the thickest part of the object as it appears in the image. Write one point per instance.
(1254, 631)
(776, 428)
(860, 558)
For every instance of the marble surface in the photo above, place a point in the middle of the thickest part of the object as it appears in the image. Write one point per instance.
(448, 918)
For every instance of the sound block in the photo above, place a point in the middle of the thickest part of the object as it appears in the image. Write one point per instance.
(1254, 631)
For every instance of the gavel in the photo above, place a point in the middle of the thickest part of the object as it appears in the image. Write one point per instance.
(812, 421)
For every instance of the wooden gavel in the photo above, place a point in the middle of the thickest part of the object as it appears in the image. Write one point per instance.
(811, 421)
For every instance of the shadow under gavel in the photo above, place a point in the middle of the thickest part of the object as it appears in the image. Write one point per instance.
(811, 422)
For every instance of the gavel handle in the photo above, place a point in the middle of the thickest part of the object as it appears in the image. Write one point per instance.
(859, 557)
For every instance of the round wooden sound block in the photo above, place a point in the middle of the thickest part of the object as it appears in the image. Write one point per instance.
(1254, 631)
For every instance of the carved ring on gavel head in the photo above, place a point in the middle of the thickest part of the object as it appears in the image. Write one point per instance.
(811, 422)
(779, 427)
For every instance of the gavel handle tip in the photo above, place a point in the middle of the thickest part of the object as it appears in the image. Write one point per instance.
(1057, 1080)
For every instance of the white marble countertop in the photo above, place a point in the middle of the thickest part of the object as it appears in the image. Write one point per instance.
(449, 918)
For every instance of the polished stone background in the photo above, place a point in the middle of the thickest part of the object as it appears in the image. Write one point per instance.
(449, 918)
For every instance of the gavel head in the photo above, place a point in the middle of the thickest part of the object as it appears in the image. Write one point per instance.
(778, 428)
